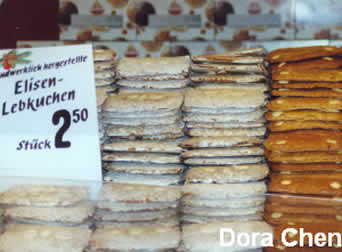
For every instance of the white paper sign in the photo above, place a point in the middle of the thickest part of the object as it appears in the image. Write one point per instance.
(48, 117)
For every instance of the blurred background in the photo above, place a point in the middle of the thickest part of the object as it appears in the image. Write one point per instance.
(152, 28)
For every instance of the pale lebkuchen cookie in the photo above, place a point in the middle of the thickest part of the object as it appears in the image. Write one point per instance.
(278, 218)
(195, 219)
(281, 126)
(142, 157)
(257, 51)
(300, 103)
(143, 146)
(226, 174)
(219, 142)
(220, 58)
(228, 78)
(223, 152)
(145, 179)
(302, 53)
(143, 102)
(311, 228)
(224, 117)
(281, 248)
(136, 168)
(216, 100)
(104, 54)
(99, 83)
(309, 75)
(215, 132)
(305, 140)
(104, 75)
(263, 87)
(156, 85)
(304, 157)
(320, 184)
(320, 63)
(44, 195)
(40, 238)
(304, 200)
(224, 191)
(236, 202)
(337, 86)
(68, 216)
(141, 216)
(224, 160)
(104, 65)
(225, 125)
(309, 167)
(318, 92)
(139, 193)
(144, 130)
(234, 68)
(153, 69)
(304, 115)
(135, 238)
(301, 210)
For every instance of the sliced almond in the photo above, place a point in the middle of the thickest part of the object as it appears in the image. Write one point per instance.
(277, 114)
(283, 82)
(328, 58)
(279, 123)
(282, 64)
(276, 215)
(286, 172)
(285, 72)
(286, 182)
(281, 142)
(334, 102)
(331, 141)
(276, 57)
(339, 217)
(335, 185)
(280, 101)
(291, 235)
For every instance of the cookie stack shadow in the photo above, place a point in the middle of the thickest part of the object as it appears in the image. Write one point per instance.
(305, 141)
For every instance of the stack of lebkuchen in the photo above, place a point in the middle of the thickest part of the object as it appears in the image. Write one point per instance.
(304, 147)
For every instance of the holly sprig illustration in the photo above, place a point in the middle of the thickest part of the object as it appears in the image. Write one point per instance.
(11, 59)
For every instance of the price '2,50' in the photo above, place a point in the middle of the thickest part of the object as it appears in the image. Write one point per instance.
(76, 116)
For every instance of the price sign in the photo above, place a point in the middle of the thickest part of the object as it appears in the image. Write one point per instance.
(48, 117)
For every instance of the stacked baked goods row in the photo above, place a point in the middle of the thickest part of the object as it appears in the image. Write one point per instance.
(224, 116)
(305, 141)
(104, 65)
(142, 164)
(61, 218)
(153, 74)
(54, 218)
(46, 218)
(144, 129)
